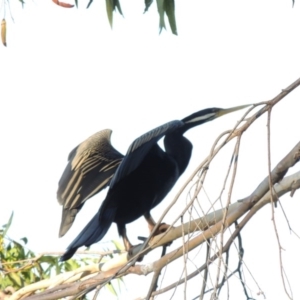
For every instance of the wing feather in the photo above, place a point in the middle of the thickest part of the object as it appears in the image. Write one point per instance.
(140, 148)
(90, 168)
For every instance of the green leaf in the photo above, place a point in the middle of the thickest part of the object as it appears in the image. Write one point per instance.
(28, 277)
(161, 12)
(6, 226)
(5, 281)
(22, 2)
(111, 5)
(109, 11)
(117, 4)
(48, 259)
(16, 279)
(25, 240)
(169, 6)
(147, 4)
(32, 277)
(112, 289)
(71, 265)
(89, 3)
(118, 245)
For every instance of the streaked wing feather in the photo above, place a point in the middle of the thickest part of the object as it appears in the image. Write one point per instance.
(68, 217)
(89, 170)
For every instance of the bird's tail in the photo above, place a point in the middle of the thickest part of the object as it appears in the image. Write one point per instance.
(93, 232)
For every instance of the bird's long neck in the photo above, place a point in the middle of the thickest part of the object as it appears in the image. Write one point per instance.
(180, 148)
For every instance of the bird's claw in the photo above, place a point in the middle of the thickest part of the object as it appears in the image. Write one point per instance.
(163, 227)
(136, 249)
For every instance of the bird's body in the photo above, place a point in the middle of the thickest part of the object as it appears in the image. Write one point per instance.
(128, 195)
(144, 177)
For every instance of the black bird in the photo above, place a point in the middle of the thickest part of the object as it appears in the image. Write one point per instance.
(144, 177)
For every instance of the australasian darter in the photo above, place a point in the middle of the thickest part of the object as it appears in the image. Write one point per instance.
(137, 181)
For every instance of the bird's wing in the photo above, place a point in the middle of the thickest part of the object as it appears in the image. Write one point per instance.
(140, 148)
(89, 170)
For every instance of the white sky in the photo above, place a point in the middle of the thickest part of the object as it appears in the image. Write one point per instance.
(65, 75)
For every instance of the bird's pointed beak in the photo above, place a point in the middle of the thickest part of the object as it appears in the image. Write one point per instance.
(209, 114)
(225, 111)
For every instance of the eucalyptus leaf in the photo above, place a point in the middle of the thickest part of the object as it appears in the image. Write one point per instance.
(6, 226)
(147, 4)
(111, 288)
(16, 279)
(25, 240)
(90, 2)
(161, 12)
(109, 11)
(169, 6)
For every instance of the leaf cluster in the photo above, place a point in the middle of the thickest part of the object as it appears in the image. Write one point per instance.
(164, 7)
(20, 266)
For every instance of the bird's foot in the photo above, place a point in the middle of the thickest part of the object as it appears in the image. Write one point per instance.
(163, 227)
(135, 249)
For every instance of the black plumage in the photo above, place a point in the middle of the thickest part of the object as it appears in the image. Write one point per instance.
(144, 177)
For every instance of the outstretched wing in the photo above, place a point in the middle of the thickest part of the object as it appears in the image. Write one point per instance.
(89, 170)
(140, 148)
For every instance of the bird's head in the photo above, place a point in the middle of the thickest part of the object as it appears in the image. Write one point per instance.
(208, 114)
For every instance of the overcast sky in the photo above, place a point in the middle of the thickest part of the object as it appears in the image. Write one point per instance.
(65, 75)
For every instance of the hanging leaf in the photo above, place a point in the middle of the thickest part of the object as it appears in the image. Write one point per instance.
(147, 4)
(24, 239)
(16, 279)
(89, 3)
(169, 6)
(63, 4)
(109, 11)
(161, 12)
(111, 5)
(118, 245)
(3, 38)
(112, 289)
(6, 226)
(22, 2)
(117, 4)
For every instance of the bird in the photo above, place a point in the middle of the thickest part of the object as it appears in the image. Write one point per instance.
(144, 177)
